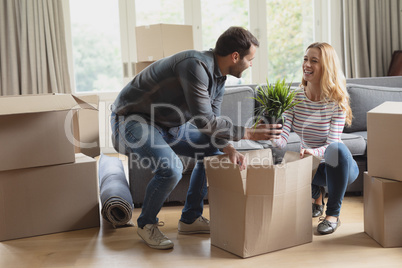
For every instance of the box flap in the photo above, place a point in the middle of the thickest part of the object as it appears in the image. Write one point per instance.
(87, 125)
(260, 180)
(290, 157)
(82, 158)
(260, 172)
(292, 174)
(41, 103)
(297, 173)
(90, 102)
(293, 156)
(223, 174)
(259, 157)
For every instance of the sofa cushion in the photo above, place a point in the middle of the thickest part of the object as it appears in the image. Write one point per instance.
(356, 144)
(384, 81)
(293, 142)
(245, 145)
(361, 133)
(364, 98)
(238, 105)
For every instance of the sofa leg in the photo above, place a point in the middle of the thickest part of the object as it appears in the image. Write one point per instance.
(137, 205)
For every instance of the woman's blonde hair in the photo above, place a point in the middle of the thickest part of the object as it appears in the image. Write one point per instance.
(333, 81)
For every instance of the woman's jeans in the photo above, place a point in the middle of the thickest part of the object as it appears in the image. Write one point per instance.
(337, 171)
(158, 148)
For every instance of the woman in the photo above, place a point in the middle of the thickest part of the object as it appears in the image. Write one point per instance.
(319, 119)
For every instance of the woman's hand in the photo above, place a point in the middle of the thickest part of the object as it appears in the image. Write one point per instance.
(235, 157)
(305, 152)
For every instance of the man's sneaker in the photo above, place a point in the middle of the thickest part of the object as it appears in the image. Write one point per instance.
(199, 226)
(153, 237)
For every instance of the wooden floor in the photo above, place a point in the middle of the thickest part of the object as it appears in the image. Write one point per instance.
(108, 247)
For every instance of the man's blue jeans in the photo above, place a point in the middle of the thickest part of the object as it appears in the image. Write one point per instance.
(337, 171)
(158, 148)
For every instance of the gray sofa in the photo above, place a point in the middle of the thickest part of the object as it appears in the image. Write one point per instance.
(238, 105)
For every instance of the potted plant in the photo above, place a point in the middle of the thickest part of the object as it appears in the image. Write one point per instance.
(273, 101)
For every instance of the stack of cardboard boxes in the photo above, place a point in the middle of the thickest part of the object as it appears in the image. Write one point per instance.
(46, 186)
(383, 181)
(158, 41)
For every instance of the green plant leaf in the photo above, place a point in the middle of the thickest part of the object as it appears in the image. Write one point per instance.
(274, 99)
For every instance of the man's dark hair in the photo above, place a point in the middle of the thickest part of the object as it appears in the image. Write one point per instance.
(235, 39)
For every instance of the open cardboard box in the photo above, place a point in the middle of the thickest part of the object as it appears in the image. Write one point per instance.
(37, 130)
(263, 208)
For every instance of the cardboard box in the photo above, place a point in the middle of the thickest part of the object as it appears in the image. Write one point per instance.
(382, 210)
(45, 200)
(139, 66)
(37, 130)
(383, 147)
(87, 134)
(158, 41)
(262, 209)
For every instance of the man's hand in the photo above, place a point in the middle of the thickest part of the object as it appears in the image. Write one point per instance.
(235, 157)
(263, 132)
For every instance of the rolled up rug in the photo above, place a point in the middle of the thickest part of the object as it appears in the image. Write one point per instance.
(115, 196)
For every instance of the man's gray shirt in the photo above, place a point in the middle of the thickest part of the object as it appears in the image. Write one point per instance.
(176, 89)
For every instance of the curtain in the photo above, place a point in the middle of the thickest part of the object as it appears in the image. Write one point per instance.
(33, 57)
(372, 32)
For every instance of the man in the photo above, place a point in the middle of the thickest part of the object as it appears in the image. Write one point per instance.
(172, 108)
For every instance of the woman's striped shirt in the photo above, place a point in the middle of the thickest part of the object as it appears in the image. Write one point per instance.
(318, 123)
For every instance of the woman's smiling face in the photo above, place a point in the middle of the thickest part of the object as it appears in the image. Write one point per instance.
(312, 67)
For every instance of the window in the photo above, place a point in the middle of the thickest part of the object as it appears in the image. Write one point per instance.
(102, 39)
(159, 11)
(290, 31)
(96, 45)
(218, 16)
(103, 42)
